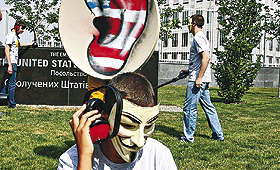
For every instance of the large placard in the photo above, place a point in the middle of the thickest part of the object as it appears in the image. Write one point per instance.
(46, 76)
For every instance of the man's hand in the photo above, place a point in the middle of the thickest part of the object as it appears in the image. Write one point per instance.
(198, 82)
(10, 69)
(80, 123)
(183, 74)
(185, 71)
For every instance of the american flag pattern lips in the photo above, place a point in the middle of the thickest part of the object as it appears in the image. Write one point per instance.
(122, 22)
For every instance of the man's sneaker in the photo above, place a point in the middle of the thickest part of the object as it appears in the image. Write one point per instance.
(219, 139)
(186, 140)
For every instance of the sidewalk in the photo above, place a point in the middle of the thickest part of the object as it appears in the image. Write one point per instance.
(163, 108)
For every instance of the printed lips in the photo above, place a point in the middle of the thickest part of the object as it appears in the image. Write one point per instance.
(120, 23)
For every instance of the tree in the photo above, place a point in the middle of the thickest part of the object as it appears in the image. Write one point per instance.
(273, 27)
(168, 20)
(241, 26)
(40, 16)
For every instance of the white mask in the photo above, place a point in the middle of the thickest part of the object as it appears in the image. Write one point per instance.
(137, 123)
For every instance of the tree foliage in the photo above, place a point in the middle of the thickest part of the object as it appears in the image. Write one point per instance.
(167, 21)
(273, 27)
(40, 16)
(241, 29)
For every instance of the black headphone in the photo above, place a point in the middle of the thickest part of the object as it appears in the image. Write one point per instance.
(99, 129)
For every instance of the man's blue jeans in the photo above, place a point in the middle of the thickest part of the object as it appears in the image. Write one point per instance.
(202, 95)
(11, 86)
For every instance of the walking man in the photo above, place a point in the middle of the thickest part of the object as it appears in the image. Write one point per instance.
(198, 84)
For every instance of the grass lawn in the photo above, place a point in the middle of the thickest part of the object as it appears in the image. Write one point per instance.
(34, 138)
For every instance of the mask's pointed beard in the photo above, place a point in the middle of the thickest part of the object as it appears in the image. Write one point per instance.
(133, 155)
(127, 154)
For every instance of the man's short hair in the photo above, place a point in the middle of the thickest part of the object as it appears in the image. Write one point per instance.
(198, 20)
(135, 88)
(20, 23)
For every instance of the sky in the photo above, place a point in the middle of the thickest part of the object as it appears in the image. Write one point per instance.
(3, 5)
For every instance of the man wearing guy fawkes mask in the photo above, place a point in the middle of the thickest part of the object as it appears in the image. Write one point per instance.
(131, 148)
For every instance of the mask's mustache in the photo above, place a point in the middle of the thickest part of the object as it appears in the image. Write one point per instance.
(134, 147)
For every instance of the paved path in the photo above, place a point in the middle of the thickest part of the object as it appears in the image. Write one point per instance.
(170, 108)
(161, 107)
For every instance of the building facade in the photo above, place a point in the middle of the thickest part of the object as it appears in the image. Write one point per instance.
(177, 50)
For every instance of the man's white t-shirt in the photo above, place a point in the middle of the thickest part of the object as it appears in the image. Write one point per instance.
(153, 156)
(12, 40)
(199, 44)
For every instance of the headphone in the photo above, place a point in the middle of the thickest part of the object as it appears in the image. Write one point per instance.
(17, 26)
(100, 128)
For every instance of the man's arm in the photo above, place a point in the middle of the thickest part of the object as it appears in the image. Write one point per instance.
(7, 53)
(25, 44)
(0, 15)
(80, 123)
(204, 63)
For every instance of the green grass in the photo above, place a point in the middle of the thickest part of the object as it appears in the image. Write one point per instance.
(251, 132)
(34, 138)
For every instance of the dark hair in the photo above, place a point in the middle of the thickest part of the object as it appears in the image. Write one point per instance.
(20, 23)
(198, 20)
(135, 88)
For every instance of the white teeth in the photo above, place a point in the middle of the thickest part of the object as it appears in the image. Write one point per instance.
(106, 62)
